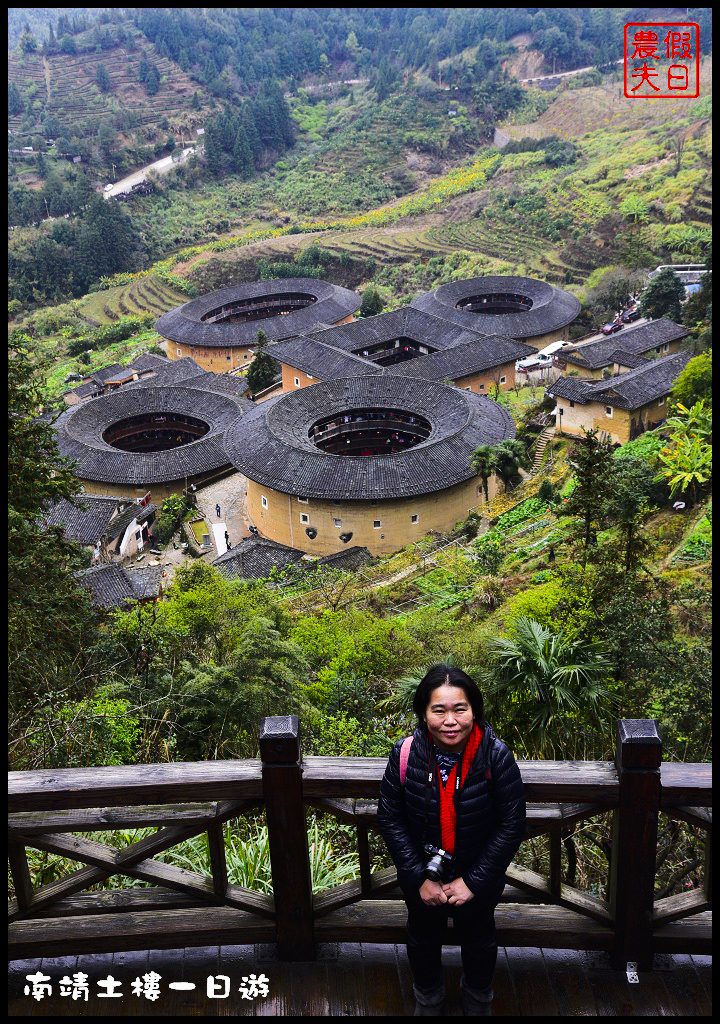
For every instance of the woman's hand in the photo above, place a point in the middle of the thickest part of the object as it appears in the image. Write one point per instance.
(432, 893)
(457, 893)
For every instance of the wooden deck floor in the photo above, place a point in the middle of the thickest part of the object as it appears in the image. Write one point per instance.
(364, 980)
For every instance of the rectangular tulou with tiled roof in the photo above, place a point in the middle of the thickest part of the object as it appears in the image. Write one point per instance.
(631, 390)
(638, 340)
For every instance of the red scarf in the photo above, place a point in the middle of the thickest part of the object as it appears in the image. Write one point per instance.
(447, 791)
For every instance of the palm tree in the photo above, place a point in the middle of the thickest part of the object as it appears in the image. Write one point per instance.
(511, 455)
(484, 462)
(553, 684)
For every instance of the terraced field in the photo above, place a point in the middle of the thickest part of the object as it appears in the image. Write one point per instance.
(68, 86)
(147, 295)
(23, 72)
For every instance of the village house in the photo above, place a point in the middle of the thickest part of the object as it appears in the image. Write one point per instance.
(613, 354)
(110, 528)
(622, 407)
(109, 378)
(115, 586)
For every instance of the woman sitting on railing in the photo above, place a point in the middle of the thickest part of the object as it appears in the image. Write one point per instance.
(452, 812)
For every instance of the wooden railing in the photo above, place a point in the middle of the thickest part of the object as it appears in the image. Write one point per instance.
(184, 908)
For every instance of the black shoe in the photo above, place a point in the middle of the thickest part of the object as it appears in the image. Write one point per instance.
(432, 1010)
(429, 1004)
(476, 1002)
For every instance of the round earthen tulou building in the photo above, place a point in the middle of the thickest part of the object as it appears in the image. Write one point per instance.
(367, 460)
(516, 307)
(219, 330)
(150, 439)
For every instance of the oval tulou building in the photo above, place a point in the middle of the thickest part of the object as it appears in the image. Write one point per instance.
(219, 330)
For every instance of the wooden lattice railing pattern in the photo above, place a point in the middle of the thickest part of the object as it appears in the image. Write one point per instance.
(185, 908)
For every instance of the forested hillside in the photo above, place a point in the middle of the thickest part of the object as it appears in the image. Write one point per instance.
(387, 150)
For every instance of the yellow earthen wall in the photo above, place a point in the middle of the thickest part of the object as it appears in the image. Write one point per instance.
(289, 373)
(214, 359)
(281, 522)
(158, 492)
(488, 378)
(618, 426)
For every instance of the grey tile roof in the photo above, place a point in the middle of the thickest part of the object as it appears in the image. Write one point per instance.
(636, 339)
(173, 371)
(271, 445)
(348, 559)
(628, 359)
(482, 353)
(221, 384)
(112, 585)
(434, 331)
(255, 558)
(87, 520)
(630, 390)
(148, 361)
(86, 390)
(320, 360)
(551, 307)
(186, 324)
(146, 580)
(107, 373)
(80, 433)
(135, 511)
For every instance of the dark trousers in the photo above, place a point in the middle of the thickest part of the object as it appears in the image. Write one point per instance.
(473, 930)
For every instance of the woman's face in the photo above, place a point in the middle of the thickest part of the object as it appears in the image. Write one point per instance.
(449, 717)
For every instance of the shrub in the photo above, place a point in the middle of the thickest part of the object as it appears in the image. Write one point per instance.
(546, 492)
(489, 552)
(168, 519)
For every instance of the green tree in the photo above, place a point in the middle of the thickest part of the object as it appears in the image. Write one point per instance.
(102, 78)
(263, 369)
(242, 156)
(28, 42)
(663, 296)
(634, 208)
(152, 81)
(372, 302)
(686, 466)
(627, 504)
(694, 384)
(552, 684)
(591, 462)
(48, 616)
(169, 517)
(15, 100)
(614, 292)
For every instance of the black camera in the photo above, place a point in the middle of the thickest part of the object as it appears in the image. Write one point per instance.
(438, 868)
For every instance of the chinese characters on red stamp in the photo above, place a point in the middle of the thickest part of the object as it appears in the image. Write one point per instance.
(662, 60)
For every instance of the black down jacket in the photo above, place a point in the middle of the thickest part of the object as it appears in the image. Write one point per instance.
(490, 822)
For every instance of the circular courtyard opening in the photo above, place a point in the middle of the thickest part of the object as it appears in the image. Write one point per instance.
(258, 308)
(154, 432)
(495, 303)
(369, 432)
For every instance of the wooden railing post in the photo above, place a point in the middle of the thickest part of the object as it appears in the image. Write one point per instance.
(287, 830)
(634, 841)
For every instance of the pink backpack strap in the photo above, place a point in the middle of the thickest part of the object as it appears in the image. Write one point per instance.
(404, 757)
